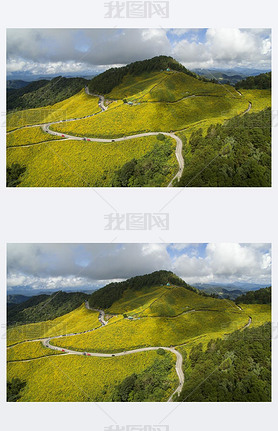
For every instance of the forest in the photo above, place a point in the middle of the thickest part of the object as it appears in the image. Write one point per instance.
(261, 296)
(149, 385)
(237, 368)
(260, 82)
(148, 171)
(235, 154)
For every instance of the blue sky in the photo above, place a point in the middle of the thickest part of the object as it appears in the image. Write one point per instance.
(33, 267)
(87, 51)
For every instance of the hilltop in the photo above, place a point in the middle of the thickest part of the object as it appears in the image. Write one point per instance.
(107, 295)
(106, 81)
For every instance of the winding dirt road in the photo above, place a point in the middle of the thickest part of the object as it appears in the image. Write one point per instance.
(179, 360)
(46, 128)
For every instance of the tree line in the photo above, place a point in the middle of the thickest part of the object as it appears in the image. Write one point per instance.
(236, 154)
(260, 82)
(237, 368)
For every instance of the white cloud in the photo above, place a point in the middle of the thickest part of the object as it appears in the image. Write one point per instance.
(86, 266)
(74, 51)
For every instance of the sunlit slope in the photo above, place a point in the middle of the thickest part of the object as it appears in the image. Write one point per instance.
(69, 163)
(29, 135)
(154, 331)
(177, 300)
(164, 316)
(76, 106)
(167, 301)
(259, 313)
(79, 378)
(29, 350)
(138, 86)
(176, 85)
(78, 320)
(154, 117)
(166, 86)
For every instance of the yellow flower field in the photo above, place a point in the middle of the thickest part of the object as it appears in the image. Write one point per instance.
(77, 320)
(79, 378)
(71, 163)
(77, 106)
(154, 331)
(29, 350)
(30, 135)
(126, 120)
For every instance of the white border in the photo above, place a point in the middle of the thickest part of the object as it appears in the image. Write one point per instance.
(76, 215)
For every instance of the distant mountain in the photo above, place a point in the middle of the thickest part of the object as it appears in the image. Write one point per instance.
(45, 307)
(43, 92)
(15, 84)
(228, 76)
(237, 285)
(220, 291)
(17, 299)
(107, 295)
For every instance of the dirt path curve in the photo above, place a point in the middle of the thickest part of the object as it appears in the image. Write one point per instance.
(178, 355)
(101, 316)
(179, 360)
(178, 152)
(248, 324)
(46, 128)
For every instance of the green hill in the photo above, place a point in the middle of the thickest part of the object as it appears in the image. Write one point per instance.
(261, 296)
(45, 307)
(106, 81)
(107, 295)
(44, 93)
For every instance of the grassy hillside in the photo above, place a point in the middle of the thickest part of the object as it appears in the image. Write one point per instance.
(144, 97)
(79, 378)
(68, 163)
(124, 120)
(30, 135)
(154, 331)
(112, 292)
(29, 350)
(111, 78)
(77, 320)
(143, 313)
(76, 106)
(45, 307)
(43, 93)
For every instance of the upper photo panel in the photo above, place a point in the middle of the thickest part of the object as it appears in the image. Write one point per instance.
(139, 107)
